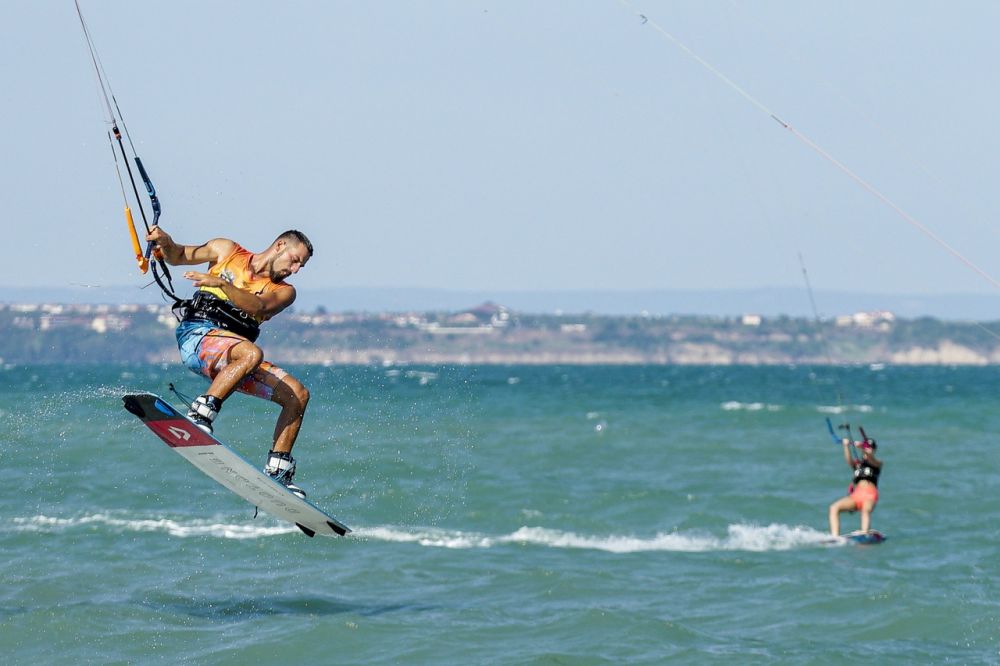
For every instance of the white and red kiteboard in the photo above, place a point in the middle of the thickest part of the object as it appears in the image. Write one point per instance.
(229, 468)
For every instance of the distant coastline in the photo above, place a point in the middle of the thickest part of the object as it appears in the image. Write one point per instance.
(766, 301)
(495, 334)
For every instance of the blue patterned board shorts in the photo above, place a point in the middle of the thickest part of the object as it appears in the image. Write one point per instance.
(205, 351)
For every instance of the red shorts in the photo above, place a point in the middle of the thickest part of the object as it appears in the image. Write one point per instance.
(863, 493)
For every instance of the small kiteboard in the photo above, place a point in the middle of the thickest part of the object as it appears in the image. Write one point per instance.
(229, 468)
(869, 538)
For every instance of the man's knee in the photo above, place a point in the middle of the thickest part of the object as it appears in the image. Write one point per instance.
(302, 395)
(249, 353)
(292, 392)
(255, 355)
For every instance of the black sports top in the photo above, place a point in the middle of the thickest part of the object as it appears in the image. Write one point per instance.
(865, 472)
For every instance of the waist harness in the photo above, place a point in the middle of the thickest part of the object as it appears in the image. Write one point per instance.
(865, 472)
(204, 306)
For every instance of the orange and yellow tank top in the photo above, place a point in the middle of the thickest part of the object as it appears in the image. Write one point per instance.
(235, 269)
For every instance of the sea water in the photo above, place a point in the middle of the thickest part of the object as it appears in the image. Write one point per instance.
(509, 515)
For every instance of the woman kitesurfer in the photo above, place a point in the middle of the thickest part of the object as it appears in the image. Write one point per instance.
(863, 493)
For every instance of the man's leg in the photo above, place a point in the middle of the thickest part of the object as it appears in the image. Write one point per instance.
(228, 360)
(242, 359)
(293, 398)
(272, 383)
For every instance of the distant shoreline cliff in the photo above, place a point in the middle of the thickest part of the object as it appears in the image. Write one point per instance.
(492, 334)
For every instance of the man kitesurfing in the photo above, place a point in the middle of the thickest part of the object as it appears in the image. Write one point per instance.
(216, 336)
(220, 324)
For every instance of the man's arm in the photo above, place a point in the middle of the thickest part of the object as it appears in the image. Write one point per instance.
(263, 306)
(187, 255)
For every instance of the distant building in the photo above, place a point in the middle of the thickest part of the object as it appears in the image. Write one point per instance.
(752, 320)
(491, 314)
(463, 319)
(109, 323)
(878, 319)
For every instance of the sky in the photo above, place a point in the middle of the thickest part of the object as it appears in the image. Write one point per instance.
(515, 145)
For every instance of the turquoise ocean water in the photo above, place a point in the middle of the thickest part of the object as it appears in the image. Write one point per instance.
(509, 515)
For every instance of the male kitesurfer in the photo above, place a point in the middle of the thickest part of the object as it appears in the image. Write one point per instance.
(221, 322)
(863, 493)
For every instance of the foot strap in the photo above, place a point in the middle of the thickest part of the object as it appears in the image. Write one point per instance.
(206, 406)
(280, 463)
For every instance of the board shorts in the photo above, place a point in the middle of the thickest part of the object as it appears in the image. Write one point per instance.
(862, 493)
(205, 351)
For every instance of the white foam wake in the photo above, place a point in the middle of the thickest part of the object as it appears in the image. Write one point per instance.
(178, 528)
(738, 537)
(741, 537)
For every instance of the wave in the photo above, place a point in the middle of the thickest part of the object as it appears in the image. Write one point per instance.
(733, 405)
(740, 537)
(843, 409)
(178, 528)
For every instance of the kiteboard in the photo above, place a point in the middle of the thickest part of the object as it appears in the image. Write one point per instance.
(229, 468)
(869, 538)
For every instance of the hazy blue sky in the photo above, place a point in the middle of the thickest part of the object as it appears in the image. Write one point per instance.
(513, 144)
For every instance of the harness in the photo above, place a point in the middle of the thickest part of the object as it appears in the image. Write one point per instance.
(865, 472)
(204, 306)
